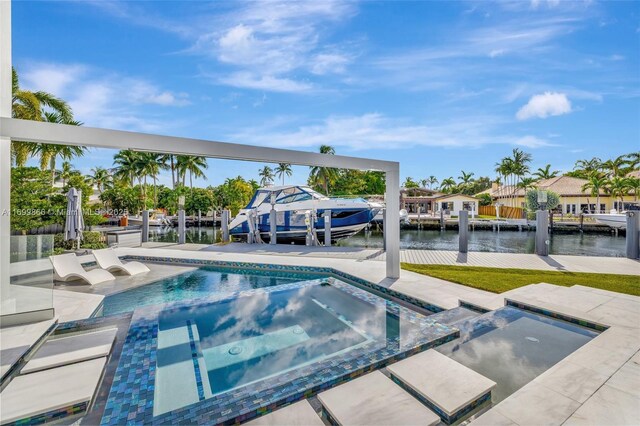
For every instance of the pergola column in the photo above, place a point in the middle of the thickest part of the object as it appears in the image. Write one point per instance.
(5, 148)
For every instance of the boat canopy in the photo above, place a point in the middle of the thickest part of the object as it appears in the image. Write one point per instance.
(284, 195)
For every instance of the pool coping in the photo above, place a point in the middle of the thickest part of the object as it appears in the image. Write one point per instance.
(141, 343)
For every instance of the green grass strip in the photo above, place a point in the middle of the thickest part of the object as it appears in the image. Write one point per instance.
(499, 280)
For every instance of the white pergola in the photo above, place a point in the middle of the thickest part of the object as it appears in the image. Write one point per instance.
(23, 130)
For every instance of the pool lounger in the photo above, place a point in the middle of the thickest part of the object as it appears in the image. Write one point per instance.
(67, 267)
(107, 259)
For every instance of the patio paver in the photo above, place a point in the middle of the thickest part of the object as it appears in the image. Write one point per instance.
(299, 414)
(375, 400)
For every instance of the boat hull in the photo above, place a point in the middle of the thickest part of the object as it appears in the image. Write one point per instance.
(292, 229)
(618, 221)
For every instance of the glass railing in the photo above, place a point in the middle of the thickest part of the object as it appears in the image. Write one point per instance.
(30, 285)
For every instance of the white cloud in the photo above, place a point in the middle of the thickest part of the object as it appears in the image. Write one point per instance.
(100, 98)
(545, 105)
(532, 142)
(266, 42)
(270, 83)
(376, 131)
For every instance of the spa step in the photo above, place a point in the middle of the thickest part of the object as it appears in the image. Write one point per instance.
(181, 375)
(68, 350)
(373, 399)
(50, 394)
(454, 316)
(444, 385)
(299, 414)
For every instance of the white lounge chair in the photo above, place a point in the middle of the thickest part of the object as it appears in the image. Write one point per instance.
(67, 267)
(107, 259)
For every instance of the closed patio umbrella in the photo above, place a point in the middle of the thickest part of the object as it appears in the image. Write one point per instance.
(74, 223)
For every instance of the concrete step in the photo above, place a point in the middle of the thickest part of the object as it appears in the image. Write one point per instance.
(47, 395)
(372, 400)
(299, 414)
(444, 385)
(68, 350)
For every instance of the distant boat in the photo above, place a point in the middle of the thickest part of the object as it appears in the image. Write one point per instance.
(404, 216)
(612, 219)
(159, 220)
(348, 216)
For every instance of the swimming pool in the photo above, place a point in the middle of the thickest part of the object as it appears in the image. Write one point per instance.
(197, 284)
(226, 357)
(513, 346)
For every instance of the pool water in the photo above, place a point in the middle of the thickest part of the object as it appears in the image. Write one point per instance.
(512, 347)
(197, 284)
(222, 357)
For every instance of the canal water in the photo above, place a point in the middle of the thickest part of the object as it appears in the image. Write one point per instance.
(488, 241)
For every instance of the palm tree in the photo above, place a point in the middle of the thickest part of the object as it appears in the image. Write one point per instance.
(100, 177)
(283, 169)
(432, 181)
(266, 176)
(192, 164)
(466, 179)
(65, 172)
(618, 187)
(28, 105)
(323, 176)
(171, 159)
(504, 169)
(545, 173)
(597, 182)
(50, 152)
(424, 183)
(526, 183)
(634, 185)
(588, 166)
(150, 164)
(127, 165)
(410, 183)
(633, 160)
(448, 184)
(615, 166)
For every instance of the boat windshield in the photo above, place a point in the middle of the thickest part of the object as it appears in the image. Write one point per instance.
(258, 199)
(285, 196)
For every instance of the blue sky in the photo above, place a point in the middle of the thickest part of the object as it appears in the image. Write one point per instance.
(437, 86)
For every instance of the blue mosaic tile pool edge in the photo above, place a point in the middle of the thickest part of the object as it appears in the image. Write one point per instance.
(131, 396)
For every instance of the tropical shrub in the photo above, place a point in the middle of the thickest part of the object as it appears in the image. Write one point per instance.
(553, 200)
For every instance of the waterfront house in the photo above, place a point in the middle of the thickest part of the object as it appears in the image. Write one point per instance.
(573, 200)
(430, 201)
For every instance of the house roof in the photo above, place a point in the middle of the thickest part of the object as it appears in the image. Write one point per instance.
(561, 185)
(468, 197)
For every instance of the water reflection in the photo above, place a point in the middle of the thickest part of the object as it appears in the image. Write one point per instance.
(197, 284)
(251, 338)
(512, 347)
(502, 242)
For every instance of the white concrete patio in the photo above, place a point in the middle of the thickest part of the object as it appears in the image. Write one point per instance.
(597, 382)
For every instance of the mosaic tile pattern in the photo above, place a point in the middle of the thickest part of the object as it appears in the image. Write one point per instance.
(194, 358)
(556, 315)
(131, 397)
(291, 268)
(473, 307)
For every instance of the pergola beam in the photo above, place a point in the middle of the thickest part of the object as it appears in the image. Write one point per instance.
(42, 132)
(33, 131)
